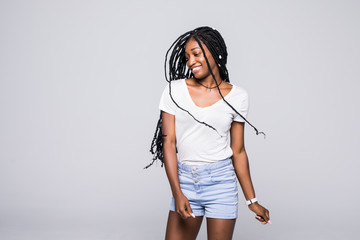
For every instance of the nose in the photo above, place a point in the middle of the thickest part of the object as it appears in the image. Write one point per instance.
(191, 61)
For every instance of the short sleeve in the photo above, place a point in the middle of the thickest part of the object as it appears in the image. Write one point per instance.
(166, 104)
(242, 106)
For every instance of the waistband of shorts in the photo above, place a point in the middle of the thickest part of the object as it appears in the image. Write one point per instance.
(207, 167)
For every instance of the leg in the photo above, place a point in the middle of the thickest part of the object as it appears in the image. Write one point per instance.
(220, 229)
(182, 229)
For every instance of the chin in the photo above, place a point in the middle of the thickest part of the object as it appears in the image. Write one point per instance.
(201, 76)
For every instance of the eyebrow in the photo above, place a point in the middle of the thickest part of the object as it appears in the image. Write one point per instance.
(192, 49)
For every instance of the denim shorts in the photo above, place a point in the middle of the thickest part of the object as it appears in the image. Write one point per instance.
(211, 189)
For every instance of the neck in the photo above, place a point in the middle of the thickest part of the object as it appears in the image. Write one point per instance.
(209, 81)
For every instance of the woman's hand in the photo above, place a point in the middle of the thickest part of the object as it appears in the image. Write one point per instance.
(182, 206)
(262, 214)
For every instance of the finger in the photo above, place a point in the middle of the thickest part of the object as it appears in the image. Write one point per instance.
(185, 212)
(266, 220)
(189, 210)
(267, 214)
(259, 218)
(181, 213)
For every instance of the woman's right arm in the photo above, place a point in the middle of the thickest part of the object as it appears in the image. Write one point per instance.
(182, 206)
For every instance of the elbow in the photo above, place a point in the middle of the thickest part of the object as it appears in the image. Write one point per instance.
(239, 153)
(238, 150)
(169, 145)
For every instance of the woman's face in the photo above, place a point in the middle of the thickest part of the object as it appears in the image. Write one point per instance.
(196, 62)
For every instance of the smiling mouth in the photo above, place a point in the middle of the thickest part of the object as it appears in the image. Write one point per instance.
(195, 69)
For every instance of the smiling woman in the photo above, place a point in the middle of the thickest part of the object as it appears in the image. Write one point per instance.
(192, 139)
(196, 61)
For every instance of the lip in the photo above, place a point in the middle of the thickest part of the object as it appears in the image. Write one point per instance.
(195, 69)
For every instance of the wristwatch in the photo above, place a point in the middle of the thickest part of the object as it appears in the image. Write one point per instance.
(251, 201)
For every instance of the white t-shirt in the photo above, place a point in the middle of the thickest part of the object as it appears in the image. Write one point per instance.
(196, 143)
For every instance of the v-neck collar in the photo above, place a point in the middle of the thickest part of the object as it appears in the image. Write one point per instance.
(207, 107)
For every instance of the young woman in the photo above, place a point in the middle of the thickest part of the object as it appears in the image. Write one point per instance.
(200, 139)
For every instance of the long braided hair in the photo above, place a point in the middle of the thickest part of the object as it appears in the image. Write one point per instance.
(175, 68)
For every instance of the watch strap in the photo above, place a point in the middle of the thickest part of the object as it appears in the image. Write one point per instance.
(251, 201)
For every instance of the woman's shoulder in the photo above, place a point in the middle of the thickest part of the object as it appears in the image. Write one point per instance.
(176, 83)
(175, 86)
(239, 97)
(239, 91)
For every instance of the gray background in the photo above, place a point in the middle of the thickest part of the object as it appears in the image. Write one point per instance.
(80, 83)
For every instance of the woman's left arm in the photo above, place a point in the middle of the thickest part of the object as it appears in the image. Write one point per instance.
(242, 170)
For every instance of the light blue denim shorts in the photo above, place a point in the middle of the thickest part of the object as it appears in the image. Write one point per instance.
(211, 189)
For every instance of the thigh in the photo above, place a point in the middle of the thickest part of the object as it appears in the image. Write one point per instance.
(182, 229)
(220, 229)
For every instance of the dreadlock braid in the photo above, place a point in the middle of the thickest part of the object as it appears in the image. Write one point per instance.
(175, 68)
